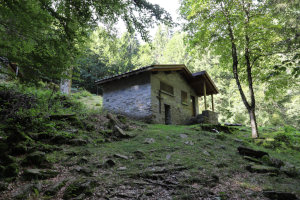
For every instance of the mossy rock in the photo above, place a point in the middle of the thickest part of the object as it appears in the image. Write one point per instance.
(221, 136)
(290, 170)
(24, 191)
(279, 195)
(77, 142)
(2, 169)
(262, 169)
(52, 190)
(11, 170)
(61, 139)
(79, 187)
(17, 137)
(36, 158)
(252, 159)
(19, 149)
(34, 174)
(3, 186)
(3, 147)
(7, 159)
(274, 162)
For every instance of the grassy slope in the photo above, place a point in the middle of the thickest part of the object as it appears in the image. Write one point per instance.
(205, 158)
(203, 165)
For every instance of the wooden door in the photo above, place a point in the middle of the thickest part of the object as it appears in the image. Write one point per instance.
(193, 105)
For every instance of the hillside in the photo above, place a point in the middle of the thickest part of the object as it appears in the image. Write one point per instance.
(54, 147)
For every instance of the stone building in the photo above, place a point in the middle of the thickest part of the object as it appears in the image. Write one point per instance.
(158, 93)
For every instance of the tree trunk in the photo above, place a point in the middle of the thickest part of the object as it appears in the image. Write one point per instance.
(253, 123)
(250, 107)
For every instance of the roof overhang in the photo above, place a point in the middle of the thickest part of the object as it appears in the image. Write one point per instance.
(196, 80)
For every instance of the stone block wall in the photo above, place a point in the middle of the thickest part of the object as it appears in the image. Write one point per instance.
(207, 117)
(130, 96)
(180, 113)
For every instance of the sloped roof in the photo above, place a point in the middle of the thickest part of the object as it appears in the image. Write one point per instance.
(196, 80)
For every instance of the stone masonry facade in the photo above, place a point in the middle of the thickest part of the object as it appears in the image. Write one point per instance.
(180, 113)
(130, 96)
(140, 97)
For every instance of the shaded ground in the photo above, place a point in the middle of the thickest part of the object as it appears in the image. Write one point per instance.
(160, 162)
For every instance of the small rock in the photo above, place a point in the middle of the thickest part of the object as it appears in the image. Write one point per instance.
(121, 156)
(37, 158)
(117, 131)
(139, 154)
(252, 159)
(221, 165)
(279, 195)
(229, 124)
(59, 139)
(52, 190)
(3, 147)
(238, 140)
(272, 161)
(17, 137)
(30, 174)
(215, 130)
(149, 141)
(122, 168)
(262, 169)
(168, 156)
(183, 135)
(3, 186)
(109, 163)
(24, 191)
(6, 159)
(189, 143)
(77, 142)
(206, 153)
(83, 170)
(220, 136)
(2, 169)
(290, 170)
(19, 149)
(215, 178)
(72, 153)
(12, 170)
(79, 187)
(250, 152)
(83, 160)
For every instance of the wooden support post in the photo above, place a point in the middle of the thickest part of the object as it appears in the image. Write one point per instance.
(212, 103)
(204, 89)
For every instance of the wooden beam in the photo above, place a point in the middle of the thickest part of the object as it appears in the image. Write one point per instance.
(212, 103)
(204, 89)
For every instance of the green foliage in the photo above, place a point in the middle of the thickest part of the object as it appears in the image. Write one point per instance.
(44, 38)
(255, 31)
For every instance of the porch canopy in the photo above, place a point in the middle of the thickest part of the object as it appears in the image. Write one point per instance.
(198, 81)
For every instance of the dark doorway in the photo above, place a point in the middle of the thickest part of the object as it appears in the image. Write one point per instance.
(168, 114)
(193, 105)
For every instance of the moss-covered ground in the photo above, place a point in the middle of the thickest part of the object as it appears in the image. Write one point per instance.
(79, 156)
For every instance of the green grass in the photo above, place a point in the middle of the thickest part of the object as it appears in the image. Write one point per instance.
(207, 156)
(91, 101)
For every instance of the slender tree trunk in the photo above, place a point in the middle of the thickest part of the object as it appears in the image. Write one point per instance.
(250, 107)
(254, 129)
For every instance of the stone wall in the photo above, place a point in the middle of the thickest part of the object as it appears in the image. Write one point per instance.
(180, 113)
(207, 117)
(129, 96)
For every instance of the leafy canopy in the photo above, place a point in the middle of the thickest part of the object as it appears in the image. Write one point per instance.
(44, 37)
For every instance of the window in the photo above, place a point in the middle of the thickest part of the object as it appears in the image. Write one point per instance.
(184, 99)
(166, 88)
